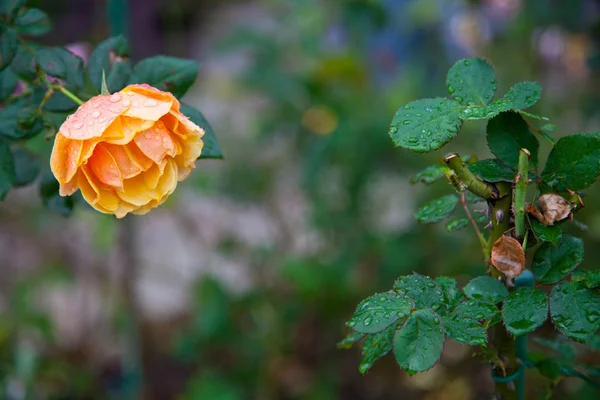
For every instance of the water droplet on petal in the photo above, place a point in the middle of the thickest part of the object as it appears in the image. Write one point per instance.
(96, 114)
(150, 103)
(114, 98)
(126, 102)
(78, 125)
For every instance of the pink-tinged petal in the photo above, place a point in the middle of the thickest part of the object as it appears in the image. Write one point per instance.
(127, 167)
(99, 197)
(65, 157)
(149, 91)
(124, 129)
(93, 117)
(105, 167)
(138, 158)
(186, 126)
(144, 107)
(156, 143)
(70, 187)
(182, 173)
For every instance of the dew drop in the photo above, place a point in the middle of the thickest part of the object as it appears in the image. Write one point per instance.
(351, 324)
(136, 103)
(126, 102)
(436, 320)
(367, 321)
(96, 104)
(96, 114)
(90, 122)
(150, 103)
(406, 122)
(148, 135)
(78, 125)
(114, 98)
(115, 109)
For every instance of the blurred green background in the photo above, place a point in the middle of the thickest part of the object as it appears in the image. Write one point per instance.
(238, 288)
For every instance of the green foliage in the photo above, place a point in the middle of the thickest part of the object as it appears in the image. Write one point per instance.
(7, 169)
(379, 311)
(589, 279)
(551, 264)
(27, 167)
(524, 310)
(211, 147)
(430, 174)
(575, 311)
(8, 46)
(169, 74)
(438, 209)
(573, 163)
(457, 224)
(111, 57)
(422, 290)
(464, 329)
(471, 82)
(487, 289)
(33, 22)
(507, 133)
(49, 187)
(376, 346)
(60, 63)
(551, 234)
(493, 170)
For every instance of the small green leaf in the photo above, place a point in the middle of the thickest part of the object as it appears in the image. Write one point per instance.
(112, 57)
(493, 170)
(425, 125)
(575, 311)
(457, 224)
(7, 169)
(524, 310)
(379, 311)
(33, 22)
(170, 74)
(487, 289)
(350, 339)
(586, 278)
(376, 346)
(548, 128)
(61, 63)
(507, 133)
(464, 329)
(550, 368)
(8, 83)
(551, 264)
(543, 233)
(438, 209)
(419, 342)
(10, 7)
(524, 95)
(16, 122)
(422, 290)
(471, 82)
(27, 167)
(24, 65)
(430, 174)
(8, 47)
(51, 198)
(449, 289)
(211, 147)
(573, 163)
(475, 309)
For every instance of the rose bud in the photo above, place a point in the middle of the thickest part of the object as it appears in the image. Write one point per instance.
(126, 151)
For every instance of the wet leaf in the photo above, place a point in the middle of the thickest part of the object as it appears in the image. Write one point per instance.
(586, 278)
(575, 311)
(551, 264)
(524, 310)
(170, 74)
(8, 47)
(27, 167)
(438, 209)
(457, 224)
(449, 289)
(430, 174)
(493, 170)
(376, 346)
(7, 169)
(211, 148)
(350, 339)
(523, 95)
(508, 256)
(112, 57)
(487, 289)
(543, 233)
(33, 22)
(573, 163)
(61, 63)
(478, 310)
(379, 311)
(425, 292)
(464, 329)
(419, 342)
(471, 82)
(507, 134)
(425, 125)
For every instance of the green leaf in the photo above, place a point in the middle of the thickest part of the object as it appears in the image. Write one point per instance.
(51, 198)
(493, 170)
(573, 163)
(507, 133)
(487, 289)
(379, 311)
(586, 278)
(457, 224)
(9, 7)
(211, 147)
(543, 233)
(524, 310)
(350, 339)
(449, 289)
(430, 174)
(7, 169)
(112, 57)
(8, 83)
(548, 128)
(61, 63)
(27, 167)
(16, 122)
(523, 95)
(551, 264)
(471, 81)
(425, 125)
(438, 209)
(423, 290)
(170, 74)
(24, 65)
(475, 309)
(8, 47)
(575, 311)
(376, 346)
(419, 342)
(33, 22)
(464, 329)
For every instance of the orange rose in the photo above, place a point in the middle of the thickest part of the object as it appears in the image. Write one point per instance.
(126, 151)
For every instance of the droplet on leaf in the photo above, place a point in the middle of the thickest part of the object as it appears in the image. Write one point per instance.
(508, 256)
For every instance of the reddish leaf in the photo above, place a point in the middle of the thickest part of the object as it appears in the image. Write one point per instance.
(508, 256)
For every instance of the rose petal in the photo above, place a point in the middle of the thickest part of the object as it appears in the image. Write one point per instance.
(135, 191)
(145, 107)
(105, 167)
(124, 129)
(127, 167)
(95, 194)
(70, 187)
(149, 91)
(64, 160)
(168, 181)
(156, 143)
(93, 117)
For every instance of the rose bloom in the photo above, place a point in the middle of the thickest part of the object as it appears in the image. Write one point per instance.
(126, 151)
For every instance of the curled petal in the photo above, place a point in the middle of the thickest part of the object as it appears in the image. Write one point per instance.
(148, 91)
(105, 167)
(145, 107)
(93, 117)
(156, 142)
(127, 167)
(65, 157)
(95, 193)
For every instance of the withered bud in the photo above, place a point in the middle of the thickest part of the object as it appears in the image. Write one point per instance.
(552, 208)
(499, 216)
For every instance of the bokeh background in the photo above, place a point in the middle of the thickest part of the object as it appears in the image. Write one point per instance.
(238, 287)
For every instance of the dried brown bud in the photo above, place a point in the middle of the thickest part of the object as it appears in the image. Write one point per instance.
(552, 208)
(508, 256)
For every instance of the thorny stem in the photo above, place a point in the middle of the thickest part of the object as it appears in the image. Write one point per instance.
(520, 187)
(482, 241)
(467, 179)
